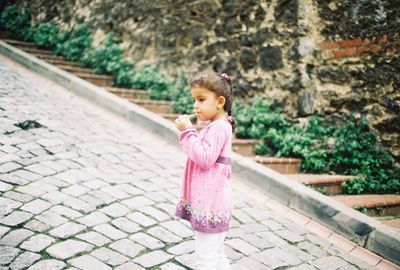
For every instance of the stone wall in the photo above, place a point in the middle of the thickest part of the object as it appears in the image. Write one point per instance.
(307, 57)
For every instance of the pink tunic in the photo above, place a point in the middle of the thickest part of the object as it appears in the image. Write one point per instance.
(206, 199)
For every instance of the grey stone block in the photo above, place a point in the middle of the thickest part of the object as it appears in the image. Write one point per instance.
(385, 240)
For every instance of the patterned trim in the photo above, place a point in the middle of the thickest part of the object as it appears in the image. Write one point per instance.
(202, 222)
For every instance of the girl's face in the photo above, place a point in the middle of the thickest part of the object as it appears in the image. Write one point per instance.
(207, 105)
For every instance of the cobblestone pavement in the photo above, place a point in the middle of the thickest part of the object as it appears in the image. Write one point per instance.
(81, 188)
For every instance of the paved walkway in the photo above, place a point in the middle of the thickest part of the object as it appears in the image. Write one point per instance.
(84, 189)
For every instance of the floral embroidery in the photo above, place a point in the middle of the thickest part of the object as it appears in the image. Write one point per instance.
(203, 222)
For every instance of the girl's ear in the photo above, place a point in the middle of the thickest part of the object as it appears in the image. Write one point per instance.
(221, 101)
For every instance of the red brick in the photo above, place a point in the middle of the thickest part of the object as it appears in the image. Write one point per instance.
(278, 207)
(328, 45)
(350, 43)
(374, 48)
(363, 49)
(382, 39)
(341, 242)
(297, 217)
(349, 52)
(365, 255)
(386, 265)
(318, 229)
(292, 168)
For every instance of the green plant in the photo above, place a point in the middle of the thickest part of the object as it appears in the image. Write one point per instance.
(158, 85)
(17, 20)
(356, 150)
(255, 119)
(108, 59)
(47, 35)
(182, 101)
(243, 119)
(76, 43)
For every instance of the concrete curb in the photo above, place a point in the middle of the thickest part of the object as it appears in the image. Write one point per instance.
(361, 229)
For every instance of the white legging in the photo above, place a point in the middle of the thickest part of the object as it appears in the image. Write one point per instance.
(209, 251)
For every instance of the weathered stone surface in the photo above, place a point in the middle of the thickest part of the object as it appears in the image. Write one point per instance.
(329, 263)
(147, 240)
(129, 266)
(67, 230)
(110, 231)
(36, 206)
(15, 237)
(50, 264)
(153, 258)
(242, 246)
(247, 58)
(182, 248)
(127, 247)
(68, 248)
(108, 256)
(25, 260)
(306, 103)
(6, 206)
(7, 254)
(37, 242)
(126, 225)
(94, 218)
(87, 262)
(271, 58)
(94, 238)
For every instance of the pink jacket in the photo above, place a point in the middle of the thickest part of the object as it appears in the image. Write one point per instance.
(206, 199)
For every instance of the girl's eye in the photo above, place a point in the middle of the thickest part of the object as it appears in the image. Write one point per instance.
(201, 99)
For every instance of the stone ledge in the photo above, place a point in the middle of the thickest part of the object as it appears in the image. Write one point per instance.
(364, 230)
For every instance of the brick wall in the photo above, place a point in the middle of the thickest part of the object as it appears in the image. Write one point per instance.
(359, 46)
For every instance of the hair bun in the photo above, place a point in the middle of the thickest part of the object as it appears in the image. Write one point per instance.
(226, 77)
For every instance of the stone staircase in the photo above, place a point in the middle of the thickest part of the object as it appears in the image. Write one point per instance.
(385, 208)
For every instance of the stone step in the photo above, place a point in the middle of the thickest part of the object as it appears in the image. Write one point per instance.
(132, 93)
(245, 147)
(47, 57)
(157, 106)
(62, 62)
(325, 183)
(100, 80)
(280, 164)
(372, 204)
(35, 50)
(4, 34)
(74, 68)
(391, 221)
(17, 43)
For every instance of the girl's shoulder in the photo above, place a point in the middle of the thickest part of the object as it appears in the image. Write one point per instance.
(220, 124)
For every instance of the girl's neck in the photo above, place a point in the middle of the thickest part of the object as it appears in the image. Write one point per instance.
(220, 115)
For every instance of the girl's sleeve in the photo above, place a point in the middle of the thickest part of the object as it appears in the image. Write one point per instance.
(203, 153)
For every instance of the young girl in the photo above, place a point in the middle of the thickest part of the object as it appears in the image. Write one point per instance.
(206, 199)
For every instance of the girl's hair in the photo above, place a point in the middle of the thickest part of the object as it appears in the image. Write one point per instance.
(220, 84)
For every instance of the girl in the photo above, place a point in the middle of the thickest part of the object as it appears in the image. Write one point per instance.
(206, 194)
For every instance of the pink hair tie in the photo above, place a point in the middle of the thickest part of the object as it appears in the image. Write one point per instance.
(230, 119)
(226, 77)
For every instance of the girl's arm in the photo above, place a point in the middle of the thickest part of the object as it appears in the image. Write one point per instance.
(203, 153)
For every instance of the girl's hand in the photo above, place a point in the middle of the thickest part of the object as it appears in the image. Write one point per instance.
(183, 122)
